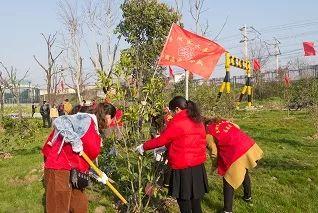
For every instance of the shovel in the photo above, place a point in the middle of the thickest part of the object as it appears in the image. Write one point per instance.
(100, 174)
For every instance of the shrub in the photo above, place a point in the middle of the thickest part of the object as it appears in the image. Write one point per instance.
(18, 132)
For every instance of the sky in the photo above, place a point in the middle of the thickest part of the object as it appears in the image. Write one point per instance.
(291, 22)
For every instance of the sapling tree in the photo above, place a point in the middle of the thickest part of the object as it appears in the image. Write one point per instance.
(51, 73)
(140, 93)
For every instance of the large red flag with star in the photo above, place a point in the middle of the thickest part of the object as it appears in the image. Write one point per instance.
(192, 52)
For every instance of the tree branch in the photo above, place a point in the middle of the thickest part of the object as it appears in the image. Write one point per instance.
(46, 70)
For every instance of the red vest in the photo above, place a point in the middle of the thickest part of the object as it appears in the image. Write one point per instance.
(185, 141)
(231, 143)
(67, 159)
(117, 121)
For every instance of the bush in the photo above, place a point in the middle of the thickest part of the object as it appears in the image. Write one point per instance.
(18, 132)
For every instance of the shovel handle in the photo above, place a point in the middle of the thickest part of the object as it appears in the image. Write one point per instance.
(100, 174)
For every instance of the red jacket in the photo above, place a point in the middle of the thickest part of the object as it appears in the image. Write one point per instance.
(67, 159)
(185, 141)
(231, 143)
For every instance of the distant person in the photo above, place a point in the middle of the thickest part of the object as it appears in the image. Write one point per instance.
(33, 109)
(60, 109)
(67, 107)
(45, 113)
(53, 113)
(234, 153)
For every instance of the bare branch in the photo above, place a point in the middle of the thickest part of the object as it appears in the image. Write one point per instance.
(217, 35)
(40, 63)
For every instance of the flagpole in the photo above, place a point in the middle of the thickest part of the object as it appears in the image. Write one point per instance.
(186, 84)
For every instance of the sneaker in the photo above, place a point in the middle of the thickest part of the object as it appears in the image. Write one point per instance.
(249, 199)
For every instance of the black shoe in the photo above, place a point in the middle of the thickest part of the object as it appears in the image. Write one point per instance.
(248, 200)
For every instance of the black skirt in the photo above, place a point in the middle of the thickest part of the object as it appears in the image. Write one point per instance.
(189, 183)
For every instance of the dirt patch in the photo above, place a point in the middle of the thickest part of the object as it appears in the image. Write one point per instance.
(100, 209)
(5, 155)
(2, 130)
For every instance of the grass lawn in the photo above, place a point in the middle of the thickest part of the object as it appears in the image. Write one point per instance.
(284, 181)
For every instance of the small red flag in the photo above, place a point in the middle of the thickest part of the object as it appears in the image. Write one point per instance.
(287, 80)
(309, 48)
(256, 64)
(171, 72)
(192, 52)
(62, 85)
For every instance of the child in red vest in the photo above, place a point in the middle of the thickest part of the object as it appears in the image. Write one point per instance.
(236, 153)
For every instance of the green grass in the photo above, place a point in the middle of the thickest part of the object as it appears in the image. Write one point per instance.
(284, 181)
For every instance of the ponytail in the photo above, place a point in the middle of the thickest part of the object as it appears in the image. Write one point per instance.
(190, 106)
(194, 112)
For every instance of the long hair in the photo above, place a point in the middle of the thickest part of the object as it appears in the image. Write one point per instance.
(191, 107)
(101, 110)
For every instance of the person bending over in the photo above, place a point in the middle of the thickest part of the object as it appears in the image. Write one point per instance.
(236, 153)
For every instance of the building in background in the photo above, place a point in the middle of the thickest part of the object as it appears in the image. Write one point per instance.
(29, 93)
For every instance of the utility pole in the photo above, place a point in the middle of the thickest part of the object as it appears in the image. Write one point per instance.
(245, 40)
(276, 45)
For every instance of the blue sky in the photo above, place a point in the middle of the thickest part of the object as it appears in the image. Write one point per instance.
(23, 21)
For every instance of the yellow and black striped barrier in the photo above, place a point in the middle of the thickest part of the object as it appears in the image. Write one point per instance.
(226, 84)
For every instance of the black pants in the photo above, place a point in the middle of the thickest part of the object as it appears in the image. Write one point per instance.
(190, 206)
(228, 192)
(46, 119)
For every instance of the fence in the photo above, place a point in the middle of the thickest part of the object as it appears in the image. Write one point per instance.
(269, 76)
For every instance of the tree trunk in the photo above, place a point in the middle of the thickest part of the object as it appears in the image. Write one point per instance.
(2, 102)
(19, 105)
(48, 89)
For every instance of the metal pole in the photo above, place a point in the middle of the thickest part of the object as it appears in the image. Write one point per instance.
(245, 42)
(277, 53)
(187, 84)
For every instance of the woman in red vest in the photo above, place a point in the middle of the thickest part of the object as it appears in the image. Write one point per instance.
(72, 134)
(236, 153)
(185, 140)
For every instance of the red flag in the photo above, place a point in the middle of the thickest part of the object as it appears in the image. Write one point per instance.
(171, 72)
(309, 48)
(62, 85)
(256, 64)
(287, 80)
(192, 52)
